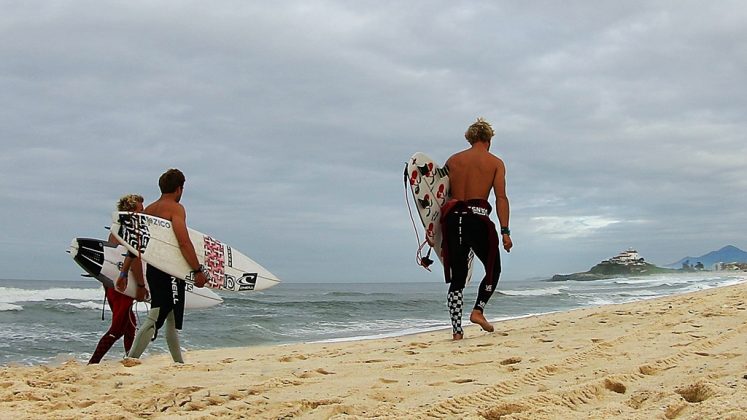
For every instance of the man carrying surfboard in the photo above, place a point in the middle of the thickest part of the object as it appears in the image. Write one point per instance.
(167, 292)
(466, 223)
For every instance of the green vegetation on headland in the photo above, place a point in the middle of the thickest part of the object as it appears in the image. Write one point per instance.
(605, 270)
(626, 263)
(629, 263)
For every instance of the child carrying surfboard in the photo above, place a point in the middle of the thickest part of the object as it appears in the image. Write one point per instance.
(123, 319)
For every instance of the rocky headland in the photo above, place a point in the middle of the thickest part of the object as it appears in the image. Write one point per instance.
(627, 263)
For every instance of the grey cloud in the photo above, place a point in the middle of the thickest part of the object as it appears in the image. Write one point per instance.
(620, 124)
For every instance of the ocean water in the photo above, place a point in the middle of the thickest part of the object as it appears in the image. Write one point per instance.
(48, 322)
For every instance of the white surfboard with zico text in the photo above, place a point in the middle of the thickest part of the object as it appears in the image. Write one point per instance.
(153, 239)
(103, 261)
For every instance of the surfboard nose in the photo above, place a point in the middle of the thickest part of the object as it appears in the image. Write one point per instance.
(73, 248)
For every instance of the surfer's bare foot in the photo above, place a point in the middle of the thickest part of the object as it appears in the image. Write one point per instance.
(457, 337)
(130, 362)
(476, 317)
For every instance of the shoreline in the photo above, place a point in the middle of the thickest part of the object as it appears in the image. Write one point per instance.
(678, 356)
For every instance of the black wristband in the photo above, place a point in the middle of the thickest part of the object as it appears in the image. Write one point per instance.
(200, 269)
(505, 231)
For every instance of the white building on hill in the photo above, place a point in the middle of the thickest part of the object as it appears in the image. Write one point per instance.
(627, 257)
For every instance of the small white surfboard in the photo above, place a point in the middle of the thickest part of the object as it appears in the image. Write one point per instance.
(429, 184)
(102, 260)
(153, 239)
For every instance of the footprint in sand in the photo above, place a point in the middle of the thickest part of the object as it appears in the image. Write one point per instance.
(385, 397)
(511, 361)
(292, 357)
(388, 381)
(85, 403)
(403, 365)
(122, 374)
(462, 381)
(39, 384)
(697, 392)
(311, 374)
(615, 386)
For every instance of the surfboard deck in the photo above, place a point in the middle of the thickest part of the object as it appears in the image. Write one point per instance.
(429, 184)
(102, 260)
(153, 239)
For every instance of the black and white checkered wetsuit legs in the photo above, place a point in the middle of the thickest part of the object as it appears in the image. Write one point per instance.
(468, 227)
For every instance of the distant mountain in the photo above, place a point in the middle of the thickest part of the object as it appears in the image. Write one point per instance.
(726, 254)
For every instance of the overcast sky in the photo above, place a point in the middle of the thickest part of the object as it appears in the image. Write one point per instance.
(622, 124)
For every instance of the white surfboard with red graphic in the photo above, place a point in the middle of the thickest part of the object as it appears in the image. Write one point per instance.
(103, 261)
(154, 240)
(429, 184)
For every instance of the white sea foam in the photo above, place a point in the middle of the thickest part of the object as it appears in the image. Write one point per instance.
(433, 326)
(674, 280)
(17, 295)
(89, 305)
(734, 281)
(10, 307)
(138, 307)
(549, 291)
(600, 301)
(332, 327)
(639, 293)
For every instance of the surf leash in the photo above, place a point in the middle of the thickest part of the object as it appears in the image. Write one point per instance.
(103, 305)
(423, 261)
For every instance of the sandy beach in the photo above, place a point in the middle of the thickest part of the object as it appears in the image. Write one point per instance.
(676, 357)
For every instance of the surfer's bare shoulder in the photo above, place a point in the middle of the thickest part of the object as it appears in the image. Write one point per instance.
(166, 209)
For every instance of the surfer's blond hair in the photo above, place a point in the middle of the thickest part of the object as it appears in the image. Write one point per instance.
(479, 131)
(129, 202)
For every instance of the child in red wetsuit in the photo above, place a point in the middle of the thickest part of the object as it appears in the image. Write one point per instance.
(123, 319)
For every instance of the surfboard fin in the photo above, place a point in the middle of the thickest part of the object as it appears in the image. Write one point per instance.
(426, 262)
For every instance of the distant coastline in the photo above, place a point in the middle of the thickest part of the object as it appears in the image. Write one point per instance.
(605, 271)
(630, 263)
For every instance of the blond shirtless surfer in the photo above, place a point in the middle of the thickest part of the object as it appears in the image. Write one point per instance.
(467, 226)
(166, 291)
